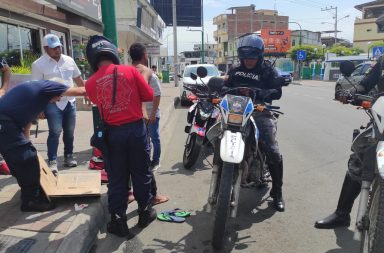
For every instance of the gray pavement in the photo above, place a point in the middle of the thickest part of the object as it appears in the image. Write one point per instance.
(62, 229)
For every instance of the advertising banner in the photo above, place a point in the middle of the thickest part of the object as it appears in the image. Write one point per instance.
(276, 41)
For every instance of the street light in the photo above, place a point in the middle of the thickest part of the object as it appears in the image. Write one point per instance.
(202, 42)
(300, 30)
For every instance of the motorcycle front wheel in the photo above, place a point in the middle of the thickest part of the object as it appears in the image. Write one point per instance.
(222, 205)
(192, 150)
(373, 238)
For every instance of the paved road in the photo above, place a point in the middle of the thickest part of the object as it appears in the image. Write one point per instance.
(314, 135)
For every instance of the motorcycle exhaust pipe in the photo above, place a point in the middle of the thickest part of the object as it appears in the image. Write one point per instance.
(212, 188)
(364, 197)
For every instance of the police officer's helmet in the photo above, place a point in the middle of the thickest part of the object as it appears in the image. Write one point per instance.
(99, 47)
(250, 46)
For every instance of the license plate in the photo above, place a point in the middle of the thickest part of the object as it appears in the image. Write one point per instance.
(286, 79)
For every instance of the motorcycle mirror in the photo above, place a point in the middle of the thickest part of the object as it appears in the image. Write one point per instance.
(193, 76)
(346, 68)
(202, 72)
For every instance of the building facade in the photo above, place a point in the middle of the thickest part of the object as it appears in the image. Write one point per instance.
(242, 20)
(23, 24)
(366, 30)
(307, 38)
(137, 21)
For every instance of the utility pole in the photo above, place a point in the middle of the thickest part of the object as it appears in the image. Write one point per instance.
(332, 8)
(109, 20)
(175, 58)
(202, 32)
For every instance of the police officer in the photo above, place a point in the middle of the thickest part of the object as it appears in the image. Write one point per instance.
(253, 71)
(127, 147)
(351, 188)
(18, 107)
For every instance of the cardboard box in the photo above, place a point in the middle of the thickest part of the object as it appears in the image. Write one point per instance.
(69, 184)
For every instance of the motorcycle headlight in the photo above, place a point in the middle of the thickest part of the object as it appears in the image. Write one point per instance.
(235, 118)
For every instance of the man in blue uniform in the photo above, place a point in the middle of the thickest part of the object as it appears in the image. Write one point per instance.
(18, 107)
(253, 71)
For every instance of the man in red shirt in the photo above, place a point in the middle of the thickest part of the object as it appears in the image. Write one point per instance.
(126, 138)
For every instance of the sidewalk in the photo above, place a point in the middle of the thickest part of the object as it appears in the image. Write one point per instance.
(63, 229)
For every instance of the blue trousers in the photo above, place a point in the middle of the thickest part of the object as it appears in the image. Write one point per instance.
(154, 133)
(58, 121)
(128, 155)
(21, 158)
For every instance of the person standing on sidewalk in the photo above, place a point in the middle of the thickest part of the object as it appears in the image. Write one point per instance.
(18, 107)
(138, 54)
(5, 78)
(119, 91)
(61, 115)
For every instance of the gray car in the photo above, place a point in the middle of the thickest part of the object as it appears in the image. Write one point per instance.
(357, 75)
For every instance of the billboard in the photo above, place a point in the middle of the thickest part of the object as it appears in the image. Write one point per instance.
(188, 12)
(276, 41)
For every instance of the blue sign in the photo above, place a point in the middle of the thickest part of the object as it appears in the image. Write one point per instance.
(377, 51)
(301, 55)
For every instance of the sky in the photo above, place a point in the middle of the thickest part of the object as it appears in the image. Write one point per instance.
(308, 13)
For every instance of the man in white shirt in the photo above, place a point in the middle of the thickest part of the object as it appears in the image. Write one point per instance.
(61, 115)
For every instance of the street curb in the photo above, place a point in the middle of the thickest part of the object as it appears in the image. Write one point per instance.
(296, 83)
(82, 234)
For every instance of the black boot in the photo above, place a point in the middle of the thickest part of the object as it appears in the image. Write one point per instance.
(341, 217)
(36, 203)
(118, 225)
(276, 170)
(146, 216)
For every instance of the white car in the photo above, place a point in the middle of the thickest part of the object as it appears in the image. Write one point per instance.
(186, 79)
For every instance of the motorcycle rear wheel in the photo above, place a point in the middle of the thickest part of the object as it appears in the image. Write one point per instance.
(192, 150)
(222, 205)
(373, 238)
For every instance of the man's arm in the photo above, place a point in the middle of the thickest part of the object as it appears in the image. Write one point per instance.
(370, 80)
(6, 76)
(75, 91)
(79, 81)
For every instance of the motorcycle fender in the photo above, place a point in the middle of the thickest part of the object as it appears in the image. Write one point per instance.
(380, 158)
(232, 147)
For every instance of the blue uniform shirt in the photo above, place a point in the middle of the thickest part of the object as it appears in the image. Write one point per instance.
(24, 102)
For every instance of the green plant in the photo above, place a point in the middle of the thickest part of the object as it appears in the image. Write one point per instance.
(25, 66)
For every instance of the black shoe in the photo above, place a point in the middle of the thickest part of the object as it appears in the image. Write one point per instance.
(36, 206)
(146, 217)
(334, 220)
(118, 226)
(278, 201)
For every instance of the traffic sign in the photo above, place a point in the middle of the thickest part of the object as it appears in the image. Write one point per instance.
(301, 55)
(377, 51)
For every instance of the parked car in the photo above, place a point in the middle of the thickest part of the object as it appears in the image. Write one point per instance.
(286, 75)
(357, 75)
(186, 79)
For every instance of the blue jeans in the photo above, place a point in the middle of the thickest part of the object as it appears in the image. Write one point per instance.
(154, 134)
(58, 121)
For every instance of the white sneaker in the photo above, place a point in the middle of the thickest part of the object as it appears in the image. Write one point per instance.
(53, 166)
(155, 165)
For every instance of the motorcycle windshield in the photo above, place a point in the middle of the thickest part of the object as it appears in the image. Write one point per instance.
(238, 104)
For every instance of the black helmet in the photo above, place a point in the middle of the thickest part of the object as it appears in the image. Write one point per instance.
(250, 46)
(99, 46)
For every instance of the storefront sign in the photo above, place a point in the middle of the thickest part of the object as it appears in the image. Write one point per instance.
(89, 8)
(153, 50)
(276, 41)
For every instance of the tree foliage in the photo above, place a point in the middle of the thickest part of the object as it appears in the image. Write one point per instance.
(317, 52)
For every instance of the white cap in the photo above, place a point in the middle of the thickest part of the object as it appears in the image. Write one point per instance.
(51, 41)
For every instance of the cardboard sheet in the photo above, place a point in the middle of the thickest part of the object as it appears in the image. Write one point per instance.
(69, 184)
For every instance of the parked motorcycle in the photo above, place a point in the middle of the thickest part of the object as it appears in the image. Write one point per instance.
(201, 116)
(236, 152)
(369, 140)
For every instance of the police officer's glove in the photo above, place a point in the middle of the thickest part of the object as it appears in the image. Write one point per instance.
(344, 96)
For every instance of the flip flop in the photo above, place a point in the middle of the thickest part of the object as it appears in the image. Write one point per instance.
(178, 213)
(164, 216)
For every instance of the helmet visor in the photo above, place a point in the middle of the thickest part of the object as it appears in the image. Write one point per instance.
(248, 53)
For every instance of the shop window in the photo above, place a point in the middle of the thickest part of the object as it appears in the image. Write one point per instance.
(17, 43)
